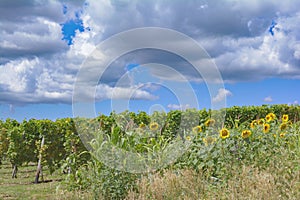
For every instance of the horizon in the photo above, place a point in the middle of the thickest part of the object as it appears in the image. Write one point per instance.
(182, 110)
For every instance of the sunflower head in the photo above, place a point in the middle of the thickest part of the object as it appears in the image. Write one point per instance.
(272, 115)
(188, 138)
(197, 129)
(209, 122)
(261, 121)
(153, 126)
(142, 126)
(266, 128)
(224, 133)
(253, 123)
(282, 134)
(246, 134)
(283, 126)
(285, 118)
(268, 118)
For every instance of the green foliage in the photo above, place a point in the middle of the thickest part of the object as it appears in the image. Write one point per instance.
(4, 140)
(15, 147)
(67, 141)
(103, 182)
(260, 149)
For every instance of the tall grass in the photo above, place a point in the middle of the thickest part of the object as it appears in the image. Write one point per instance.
(247, 183)
(272, 172)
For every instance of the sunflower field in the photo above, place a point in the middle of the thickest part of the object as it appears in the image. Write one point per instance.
(234, 153)
(227, 148)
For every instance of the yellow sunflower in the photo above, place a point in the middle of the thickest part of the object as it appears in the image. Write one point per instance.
(261, 121)
(209, 122)
(188, 138)
(142, 126)
(272, 115)
(285, 118)
(283, 126)
(266, 128)
(253, 123)
(246, 133)
(153, 126)
(282, 134)
(224, 133)
(197, 129)
(268, 118)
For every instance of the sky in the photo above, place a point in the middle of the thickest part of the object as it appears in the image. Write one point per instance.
(48, 48)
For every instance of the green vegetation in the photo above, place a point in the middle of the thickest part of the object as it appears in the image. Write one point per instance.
(23, 187)
(249, 153)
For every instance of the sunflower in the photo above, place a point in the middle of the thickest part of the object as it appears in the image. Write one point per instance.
(142, 125)
(268, 118)
(224, 133)
(272, 115)
(209, 122)
(261, 121)
(266, 128)
(209, 140)
(153, 126)
(285, 118)
(246, 133)
(283, 126)
(188, 138)
(197, 129)
(282, 134)
(253, 123)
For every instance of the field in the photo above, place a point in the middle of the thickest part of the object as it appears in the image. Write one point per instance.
(254, 153)
(23, 186)
(186, 184)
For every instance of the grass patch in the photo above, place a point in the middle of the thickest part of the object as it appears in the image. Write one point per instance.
(23, 187)
(249, 183)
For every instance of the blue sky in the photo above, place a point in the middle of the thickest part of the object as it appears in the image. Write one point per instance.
(254, 44)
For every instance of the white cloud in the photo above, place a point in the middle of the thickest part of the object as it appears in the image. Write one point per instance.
(268, 99)
(222, 95)
(133, 92)
(239, 43)
(37, 66)
(178, 106)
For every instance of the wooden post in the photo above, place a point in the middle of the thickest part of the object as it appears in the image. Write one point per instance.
(14, 172)
(39, 167)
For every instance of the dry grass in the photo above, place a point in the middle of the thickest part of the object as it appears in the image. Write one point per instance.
(249, 183)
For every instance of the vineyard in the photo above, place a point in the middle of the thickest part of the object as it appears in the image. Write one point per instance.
(234, 153)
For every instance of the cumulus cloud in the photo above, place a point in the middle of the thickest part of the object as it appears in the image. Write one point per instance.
(133, 92)
(237, 39)
(268, 99)
(30, 29)
(37, 66)
(221, 95)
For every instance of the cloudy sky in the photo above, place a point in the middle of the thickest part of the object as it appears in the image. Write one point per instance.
(255, 46)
